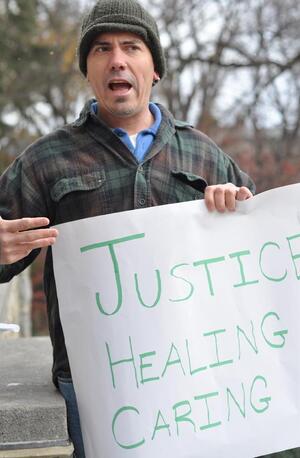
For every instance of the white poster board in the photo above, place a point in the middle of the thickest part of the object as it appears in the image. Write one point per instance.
(183, 328)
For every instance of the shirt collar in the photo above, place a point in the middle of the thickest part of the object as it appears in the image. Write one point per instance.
(152, 129)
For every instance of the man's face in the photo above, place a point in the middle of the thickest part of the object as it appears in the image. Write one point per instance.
(120, 71)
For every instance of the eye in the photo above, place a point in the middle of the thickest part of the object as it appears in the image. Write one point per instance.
(101, 49)
(133, 48)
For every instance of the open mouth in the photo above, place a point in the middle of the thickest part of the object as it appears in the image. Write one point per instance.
(120, 86)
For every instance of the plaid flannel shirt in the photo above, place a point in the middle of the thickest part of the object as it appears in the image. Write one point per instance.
(83, 169)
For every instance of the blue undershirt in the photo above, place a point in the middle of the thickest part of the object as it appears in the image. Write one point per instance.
(145, 137)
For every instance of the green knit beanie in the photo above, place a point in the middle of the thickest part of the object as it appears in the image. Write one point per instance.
(120, 15)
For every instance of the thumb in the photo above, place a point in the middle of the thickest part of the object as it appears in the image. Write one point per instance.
(243, 193)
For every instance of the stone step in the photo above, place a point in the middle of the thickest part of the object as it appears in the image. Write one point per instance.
(32, 412)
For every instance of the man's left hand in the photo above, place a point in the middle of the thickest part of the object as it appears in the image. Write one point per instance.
(222, 197)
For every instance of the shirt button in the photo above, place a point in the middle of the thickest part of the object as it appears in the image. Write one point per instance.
(142, 202)
(141, 169)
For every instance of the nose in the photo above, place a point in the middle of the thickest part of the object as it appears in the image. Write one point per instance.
(118, 61)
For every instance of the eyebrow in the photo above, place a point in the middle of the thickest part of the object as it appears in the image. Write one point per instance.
(124, 42)
(134, 41)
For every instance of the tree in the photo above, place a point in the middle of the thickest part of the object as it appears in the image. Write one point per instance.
(39, 81)
(237, 65)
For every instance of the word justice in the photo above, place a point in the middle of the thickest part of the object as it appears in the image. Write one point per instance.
(211, 270)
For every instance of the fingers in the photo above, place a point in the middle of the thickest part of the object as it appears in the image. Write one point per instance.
(223, 197)
(23, 224)
(19, 237)
(34, 235)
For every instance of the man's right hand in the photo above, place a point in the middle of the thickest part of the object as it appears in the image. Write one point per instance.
(18, 237)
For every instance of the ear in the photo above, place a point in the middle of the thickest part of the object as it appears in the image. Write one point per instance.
(156, 78)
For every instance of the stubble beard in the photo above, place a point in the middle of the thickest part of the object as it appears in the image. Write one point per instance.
(123, 111)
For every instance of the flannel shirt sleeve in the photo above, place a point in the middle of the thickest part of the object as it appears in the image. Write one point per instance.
(228, 170)
(20, 196)
(237, 176)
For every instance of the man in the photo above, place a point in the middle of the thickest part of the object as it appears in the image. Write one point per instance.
(122, 153)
